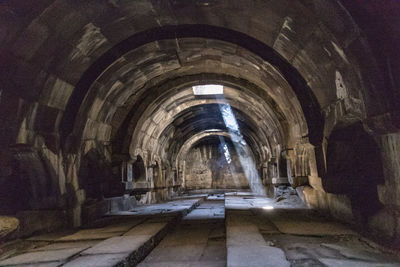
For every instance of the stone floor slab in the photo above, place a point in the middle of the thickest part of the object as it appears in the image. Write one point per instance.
(67, 245)
(354, 253)
(50, 237)
(89, 234)
(146, 229)
(244, 235)
(118, 244)
(176, 253)
(184, 264)
(257, 256)
(42, 257)
(186, 237)
(311, 228)
(354, 263)
(214, 252)
(103, 260)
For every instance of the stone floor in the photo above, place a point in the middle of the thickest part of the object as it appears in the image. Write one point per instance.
(264, 232)
(232, 229)
(198, 241)
(122, 238)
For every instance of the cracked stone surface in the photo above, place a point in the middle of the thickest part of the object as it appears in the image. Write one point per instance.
(198, 241)
(111, 244)
(234, 230)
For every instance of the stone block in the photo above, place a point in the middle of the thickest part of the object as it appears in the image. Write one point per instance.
(31, 39)
(103, 260)
(353, 263)
(244, 235)
(183, 252)
(56, 93)
(47, 119)
(146, 229)
(384, 223)
(42, 257)
(251, 255)
(64, 19)
(93, 212)
(65, 245)
(8, 225)
(298, 226)
(118, 245)
(40, 221)
(84, 235)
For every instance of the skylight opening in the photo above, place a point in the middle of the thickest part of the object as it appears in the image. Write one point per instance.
(208, 89)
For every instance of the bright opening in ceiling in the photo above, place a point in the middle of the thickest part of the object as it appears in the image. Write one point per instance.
(208, 89)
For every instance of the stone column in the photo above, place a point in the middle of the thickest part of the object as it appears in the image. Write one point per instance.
(387, 220)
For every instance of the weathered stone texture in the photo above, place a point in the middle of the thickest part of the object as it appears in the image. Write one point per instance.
(89, 87)
(207, 167)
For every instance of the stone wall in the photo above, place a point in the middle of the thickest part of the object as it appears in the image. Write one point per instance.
(207, 167)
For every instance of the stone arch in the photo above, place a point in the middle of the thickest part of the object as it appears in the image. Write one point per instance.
(305, 95)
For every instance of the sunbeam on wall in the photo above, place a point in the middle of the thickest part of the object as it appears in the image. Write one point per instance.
(240, 145)
(241, 148)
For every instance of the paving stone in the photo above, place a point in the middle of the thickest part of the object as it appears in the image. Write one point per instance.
(50, 236)
(42, 264)
(42, 256)
(183, 264)
(247, 247)
(185, 252)
(313, 228)
(217, 232)
(244, 235)
(89, 234)
(214, 252)
(122, 227)
(306, 262)
(67, 245)
(353, 253)
(301, 251)
(186, 236)
(248, 237)
(103, 260)
(257, 255)
(100, 233)
(266, 227)
(354, 263)
(118, 244)
(205, 214)
(158, 219)
(146, 229)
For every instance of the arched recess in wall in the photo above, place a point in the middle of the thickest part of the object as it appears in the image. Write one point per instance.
(29, 183)
(138, 170)
(157, 176)
(354, 168)
(94, 173)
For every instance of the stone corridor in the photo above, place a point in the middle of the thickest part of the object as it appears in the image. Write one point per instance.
(199, 132)
(231, 229)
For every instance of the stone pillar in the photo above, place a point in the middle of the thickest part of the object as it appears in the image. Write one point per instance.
(270, 170)
(127, 175)
(388, 219)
